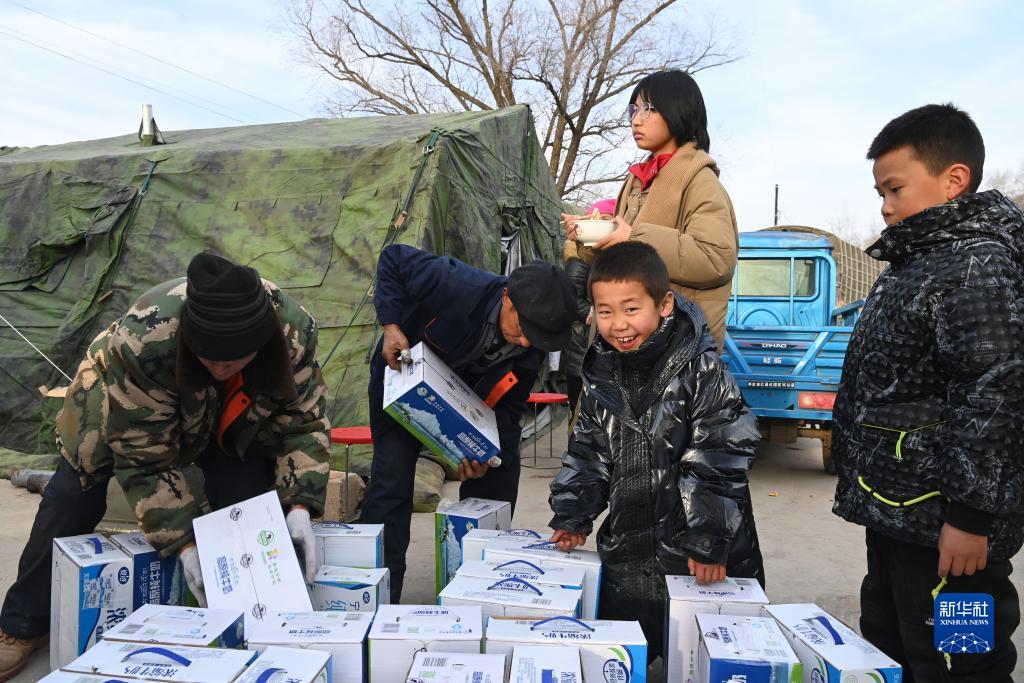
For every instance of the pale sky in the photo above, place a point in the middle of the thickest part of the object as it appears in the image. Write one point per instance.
(816, 82)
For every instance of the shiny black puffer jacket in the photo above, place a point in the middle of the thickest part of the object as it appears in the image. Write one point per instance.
(572, 355)
(673, 472)
(932, 397)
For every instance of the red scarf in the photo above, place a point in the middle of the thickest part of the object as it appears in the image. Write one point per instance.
(646, 171)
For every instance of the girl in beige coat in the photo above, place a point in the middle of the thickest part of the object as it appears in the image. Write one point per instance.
(674, 200)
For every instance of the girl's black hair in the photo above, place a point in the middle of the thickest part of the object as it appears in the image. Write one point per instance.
(675, 95)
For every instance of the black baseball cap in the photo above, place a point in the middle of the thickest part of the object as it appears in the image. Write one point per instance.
(546, 302)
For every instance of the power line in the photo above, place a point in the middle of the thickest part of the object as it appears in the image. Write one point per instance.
(117, 75)
(157, 59)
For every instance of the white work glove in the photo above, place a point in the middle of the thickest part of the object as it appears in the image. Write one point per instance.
(301, 531)
(189, 558)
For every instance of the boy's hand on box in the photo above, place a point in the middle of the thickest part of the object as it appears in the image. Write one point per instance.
(394, 343)
(961, 552)
(567, 540)
(471, 469)
(706, 573)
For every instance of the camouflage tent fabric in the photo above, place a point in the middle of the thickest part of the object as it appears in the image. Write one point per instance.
(88, 226)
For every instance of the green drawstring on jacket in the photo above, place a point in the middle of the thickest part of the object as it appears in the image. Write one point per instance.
(895, 503)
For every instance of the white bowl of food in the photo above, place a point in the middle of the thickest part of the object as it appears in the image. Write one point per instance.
(591, 230)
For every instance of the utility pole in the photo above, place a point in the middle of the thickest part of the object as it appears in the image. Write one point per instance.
(776, 204)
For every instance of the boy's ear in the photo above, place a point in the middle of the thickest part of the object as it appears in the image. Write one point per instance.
(958, 180)
(668, 303)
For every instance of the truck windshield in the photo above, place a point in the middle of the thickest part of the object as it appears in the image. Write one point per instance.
(770, 277)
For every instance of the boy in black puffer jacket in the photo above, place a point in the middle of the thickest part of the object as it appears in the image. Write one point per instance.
(929, 412)
(664, 440)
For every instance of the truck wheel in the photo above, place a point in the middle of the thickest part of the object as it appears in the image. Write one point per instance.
(826, 458)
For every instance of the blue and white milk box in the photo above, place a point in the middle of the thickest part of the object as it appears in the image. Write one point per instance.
(289, 665)
(341, 634)
(153, 576)
(451, 524)
(548, 555)
(147, 662)
(90, 592)
(348, 589)
(400, 631)
(440, 410)
(573, 578)
(511, 597)
(349, 545)
(454, 667)
(545, 664)
(613, 651)
(831, 651)
(749, 649)
(173, 625)
(475, 539)
(686, 599)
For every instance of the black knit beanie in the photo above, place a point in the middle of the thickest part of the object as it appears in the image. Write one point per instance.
(227, 313)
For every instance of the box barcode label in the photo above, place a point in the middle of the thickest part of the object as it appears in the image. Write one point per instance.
(131, 629)
(781, 654)
(83, 557)
(356, 617)
(389, 628)
(435, 662)
(541, 601)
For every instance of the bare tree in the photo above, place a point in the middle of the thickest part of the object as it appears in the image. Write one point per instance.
(572, 61)
(1009, 183)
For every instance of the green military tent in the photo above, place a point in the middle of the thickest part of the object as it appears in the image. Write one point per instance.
(88, 226)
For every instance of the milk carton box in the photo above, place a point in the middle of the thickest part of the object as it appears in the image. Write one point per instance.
(341, 634)
(172, 625)
(686, 599)
(349, 545)
(143, 661)
(90, 592)
(348, 589)
(451, 667)
(831, 651)
(68, 677)
(289, 665)
(153, 577)
(534, 572)
(475, 539)
(548, 555)
(440, 410)
(609, 650)
(545, 664)
(248, 561)
(454, 522)
(400, 631)
(752, 649)
(511, 597)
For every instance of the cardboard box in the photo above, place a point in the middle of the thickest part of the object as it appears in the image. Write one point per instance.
(511, 598)
(173, 625)
(608, 650)
(400, 631)
(153, 577)
(348, 589)
(831, 651)
(475, 539)
(453, 667)
(503, 550)
(68, 677)
(454, 522)
(686, 599)
(349, 545)
(734, 648)
(90, 592)
(289, 665)
(535, 572)
(248, 560)
(545, 664)
(440, 410)
(143, 661)
(341, 634)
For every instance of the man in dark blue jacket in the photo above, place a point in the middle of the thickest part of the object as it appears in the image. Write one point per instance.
(494, 332)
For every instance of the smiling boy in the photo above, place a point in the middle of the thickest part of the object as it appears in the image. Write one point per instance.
(664, 440)
(929, 411)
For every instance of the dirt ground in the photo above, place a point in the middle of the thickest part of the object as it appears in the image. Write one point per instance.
(810, 554)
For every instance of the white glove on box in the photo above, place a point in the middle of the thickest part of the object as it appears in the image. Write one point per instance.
(189, 558)
(301, 531)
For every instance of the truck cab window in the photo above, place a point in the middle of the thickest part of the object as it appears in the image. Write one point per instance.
(770, 277)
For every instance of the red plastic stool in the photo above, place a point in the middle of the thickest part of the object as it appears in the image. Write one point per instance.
(350, 436)
(545, 399)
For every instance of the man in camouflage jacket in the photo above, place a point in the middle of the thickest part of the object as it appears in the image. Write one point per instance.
(214, 374)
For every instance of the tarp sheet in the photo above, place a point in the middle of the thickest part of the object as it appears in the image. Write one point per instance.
(88, 226)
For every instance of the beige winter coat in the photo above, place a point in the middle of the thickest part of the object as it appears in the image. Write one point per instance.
(686, 215)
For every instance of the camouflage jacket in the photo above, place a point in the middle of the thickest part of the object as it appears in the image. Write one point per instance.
(142, 407)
